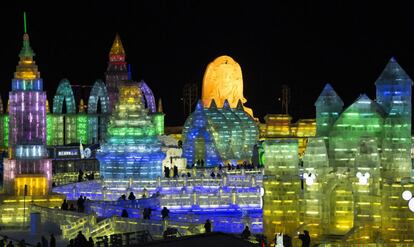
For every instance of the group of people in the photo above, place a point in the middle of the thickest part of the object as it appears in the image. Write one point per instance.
(81, 204)
(6, 242)
(81, 241)
(244, 165)
(65, 206)
(90, 176)
(131, 197)
(167, 171)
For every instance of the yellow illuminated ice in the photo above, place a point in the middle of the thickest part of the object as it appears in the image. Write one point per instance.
(223, 80)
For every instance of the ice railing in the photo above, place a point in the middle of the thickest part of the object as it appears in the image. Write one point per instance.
(230, 220)
(72, 222)
(112, 189)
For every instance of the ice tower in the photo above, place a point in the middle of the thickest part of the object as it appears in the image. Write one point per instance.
(132, 149)
(27, 163)
(282, 186)
(328, 107)
(117, 70)
(394, 95)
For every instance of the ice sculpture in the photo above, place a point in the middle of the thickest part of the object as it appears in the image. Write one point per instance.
(219, 135)
(223, 80)
(132, 149)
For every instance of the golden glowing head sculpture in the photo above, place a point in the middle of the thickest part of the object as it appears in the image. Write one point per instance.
(223, 80)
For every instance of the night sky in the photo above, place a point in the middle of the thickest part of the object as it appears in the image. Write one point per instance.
(170, 43)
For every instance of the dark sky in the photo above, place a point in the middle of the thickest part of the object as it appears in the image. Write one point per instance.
(169, 43)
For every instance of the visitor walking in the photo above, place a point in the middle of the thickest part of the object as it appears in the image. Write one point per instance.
(165, 213)
(52, 240)
(305, 237)
(90, 242)
(207, 226)
(131, 196)
(44, 242)
(246, 233)
(124, 213)
(64, 205)
(175, 171)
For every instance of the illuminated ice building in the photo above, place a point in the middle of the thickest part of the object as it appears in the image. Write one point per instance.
(219, 135)
(27, 169)
(71, 120)
(132, 148)
(348, 188)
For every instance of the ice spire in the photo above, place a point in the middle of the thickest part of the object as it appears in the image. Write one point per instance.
(160, 109)
(26, 69)
(117, 52)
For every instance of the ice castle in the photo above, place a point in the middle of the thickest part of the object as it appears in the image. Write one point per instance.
(353, 173)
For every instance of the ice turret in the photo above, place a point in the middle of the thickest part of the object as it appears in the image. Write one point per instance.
(328, 107)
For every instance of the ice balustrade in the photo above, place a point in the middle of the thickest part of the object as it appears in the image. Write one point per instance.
(112, 190)
(231, 221)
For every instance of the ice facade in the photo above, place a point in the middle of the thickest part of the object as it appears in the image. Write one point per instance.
(132, 148)
(219, 135)
(278, 126)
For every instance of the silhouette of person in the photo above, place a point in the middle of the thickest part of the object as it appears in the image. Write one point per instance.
(165, 213)
(131, 196)
(44, 242)
(52, 240)
(305, 237)
(175, 171)
(124, 213)
(207, 226)
(246, 233)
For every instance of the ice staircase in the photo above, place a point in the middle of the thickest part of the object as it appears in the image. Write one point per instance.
(72, 222)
